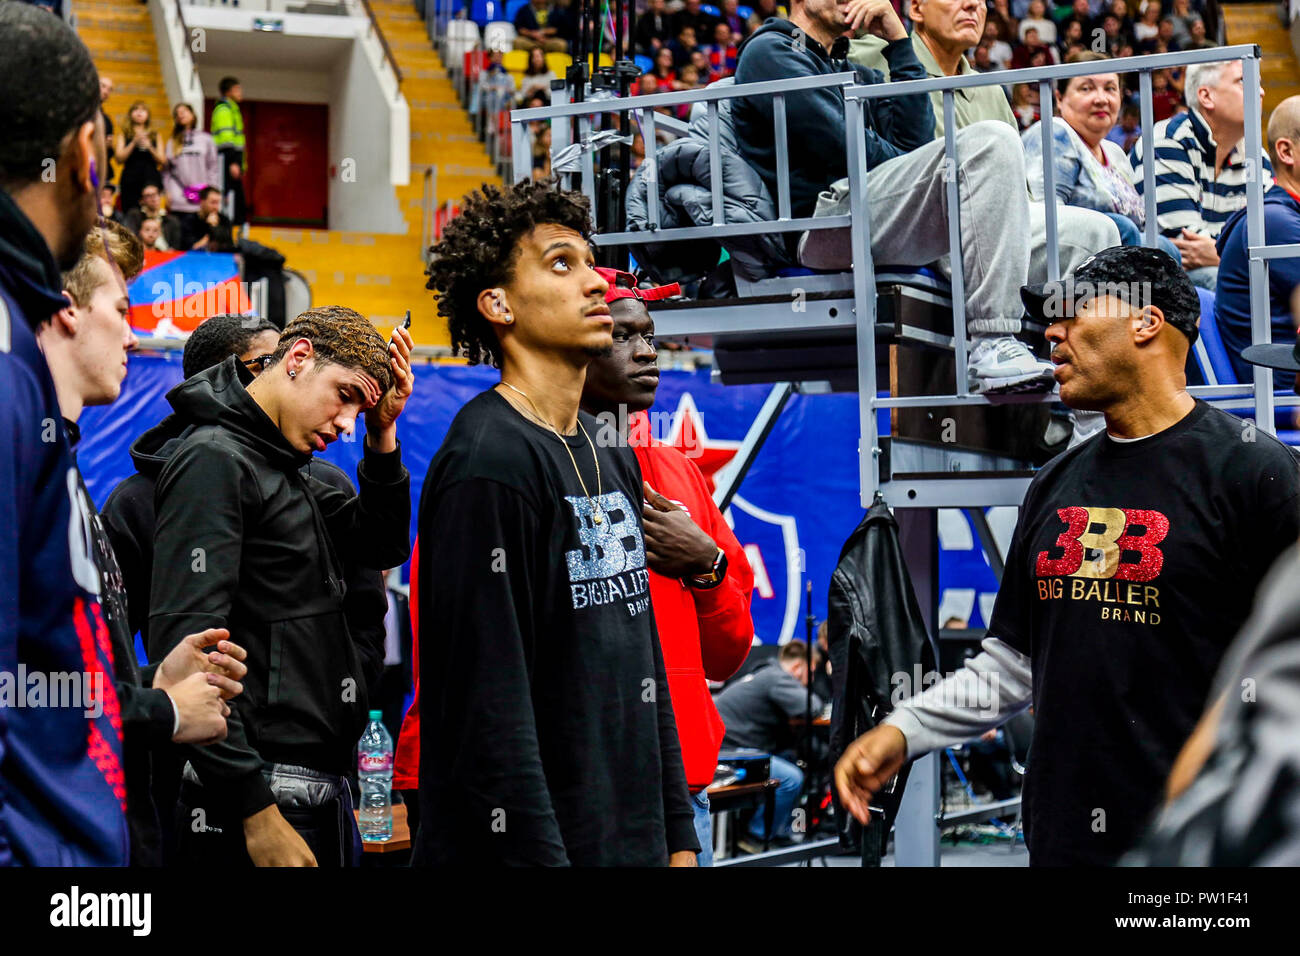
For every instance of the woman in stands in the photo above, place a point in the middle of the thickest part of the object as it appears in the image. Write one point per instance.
(1090, 170)
(665, 70)
(537, 76)
(192, 161)
(139, 151)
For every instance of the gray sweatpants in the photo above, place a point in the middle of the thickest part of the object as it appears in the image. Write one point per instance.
(908, 201)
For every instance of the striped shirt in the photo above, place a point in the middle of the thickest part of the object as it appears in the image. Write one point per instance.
(1188, 196)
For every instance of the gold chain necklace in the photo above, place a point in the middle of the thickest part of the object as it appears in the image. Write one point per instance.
(596, 516)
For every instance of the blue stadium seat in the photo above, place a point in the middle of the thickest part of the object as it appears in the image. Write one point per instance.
(744, 12)
(1211, 356)
(711, 10)
(643, 63)
(513, 7)
(484, 12)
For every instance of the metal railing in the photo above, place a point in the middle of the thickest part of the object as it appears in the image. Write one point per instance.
(589, 114)
(383, 40)
(428, 212)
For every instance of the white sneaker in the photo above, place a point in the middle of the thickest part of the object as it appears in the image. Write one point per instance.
(1005, 364)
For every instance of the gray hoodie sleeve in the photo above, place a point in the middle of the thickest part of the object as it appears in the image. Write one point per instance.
(991, 688)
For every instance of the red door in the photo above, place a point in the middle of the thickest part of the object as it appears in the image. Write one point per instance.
(288, 162)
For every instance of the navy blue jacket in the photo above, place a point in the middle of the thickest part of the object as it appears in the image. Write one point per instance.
(815, 118)
(1232, 298)
(62, 789)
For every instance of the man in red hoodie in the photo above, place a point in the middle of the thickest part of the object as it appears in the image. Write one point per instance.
(700, 580)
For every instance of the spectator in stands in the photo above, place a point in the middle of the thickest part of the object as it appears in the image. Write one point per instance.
(108, 203)
(721, 53)
(1200, 163)
(653, 29)
(537, 76)
(764, 10)
(105, 91)
(208, 229)
(521, 723)
(1129, 128)
(683, 45)
(1281, 227)
(151, 236)
(86, 345)
(1162, 42)
(272, 575)
(151, 207)
(1033, 52)
(999, 50)
(941, 30)
(1089, 170)
(757, 710)
(980, 61)
(700, 579)
(1111, 38)
(1147, 28)
(495, 88)
(665, 69)
(192, 161)
(737, 24)
(1197, 40)
(1037, 19)
(703, 67)
(691, 15)
(1182, 18)
(1165, 100)
(1082, 13)
(1072, 37)
(139, 149)
(998, 12)
(1121, 11)
(904, 167)
(65, 761)
(1025, 104)
(533, 28)
(228, 135)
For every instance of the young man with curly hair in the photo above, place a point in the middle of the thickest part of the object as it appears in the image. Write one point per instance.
(244, 541)
(547, 735)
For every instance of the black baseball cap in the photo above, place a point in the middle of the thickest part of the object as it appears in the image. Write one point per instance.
(1283, 358)
(1134, 274)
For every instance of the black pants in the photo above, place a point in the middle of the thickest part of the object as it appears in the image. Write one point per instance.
(208, 836)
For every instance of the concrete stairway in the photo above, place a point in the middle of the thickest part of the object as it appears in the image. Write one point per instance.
(383, 275)
(119, 35)
(1258, 23)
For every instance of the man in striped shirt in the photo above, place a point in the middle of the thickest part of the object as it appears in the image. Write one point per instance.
(1200, 165)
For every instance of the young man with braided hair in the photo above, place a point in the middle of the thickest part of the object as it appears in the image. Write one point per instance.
(547, 734)
(245, 542)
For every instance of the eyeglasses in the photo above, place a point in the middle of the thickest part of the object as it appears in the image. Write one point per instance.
(258, 365)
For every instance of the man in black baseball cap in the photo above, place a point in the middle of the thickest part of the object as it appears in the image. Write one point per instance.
(1134, 562)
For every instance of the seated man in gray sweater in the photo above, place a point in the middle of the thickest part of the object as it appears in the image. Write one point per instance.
(757, 710)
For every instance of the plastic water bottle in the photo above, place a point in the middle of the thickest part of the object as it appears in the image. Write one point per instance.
(375, 775)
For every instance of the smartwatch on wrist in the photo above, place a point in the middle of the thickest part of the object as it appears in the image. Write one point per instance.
(711, 580)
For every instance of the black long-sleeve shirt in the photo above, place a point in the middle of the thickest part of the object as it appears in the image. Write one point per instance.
(815, 118)
(547, 731)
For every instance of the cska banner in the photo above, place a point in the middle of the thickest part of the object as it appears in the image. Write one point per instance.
(792, 513)
(178, 290)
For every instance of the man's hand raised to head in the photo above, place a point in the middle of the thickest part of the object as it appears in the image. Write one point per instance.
(867, 765)
(381, 419)
(189, 657)
(876, 17)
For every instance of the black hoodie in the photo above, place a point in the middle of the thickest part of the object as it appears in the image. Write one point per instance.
(244, 541)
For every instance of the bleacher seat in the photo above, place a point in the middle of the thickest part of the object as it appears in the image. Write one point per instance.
(1211, 357)
(744, 12)
(643, 63)
(513, 7)
(484, 12)
(515, 62)
(462, 37)
(711, 10)
(558, 63)
(499, 36)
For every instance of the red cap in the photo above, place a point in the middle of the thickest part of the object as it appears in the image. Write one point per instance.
(622, 285)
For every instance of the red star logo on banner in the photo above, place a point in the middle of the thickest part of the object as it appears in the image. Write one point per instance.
(688, 436)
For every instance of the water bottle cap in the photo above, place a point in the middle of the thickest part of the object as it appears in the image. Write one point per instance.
(376, 715)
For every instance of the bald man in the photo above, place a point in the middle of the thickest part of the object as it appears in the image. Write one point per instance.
(1281, 226)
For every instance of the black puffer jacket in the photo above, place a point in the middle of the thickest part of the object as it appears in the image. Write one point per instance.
(244, 541)
(686, 199)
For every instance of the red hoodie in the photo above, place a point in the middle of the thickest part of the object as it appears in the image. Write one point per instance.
(704, 634)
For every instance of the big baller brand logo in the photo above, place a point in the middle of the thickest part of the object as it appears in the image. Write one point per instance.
(1108, 555)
